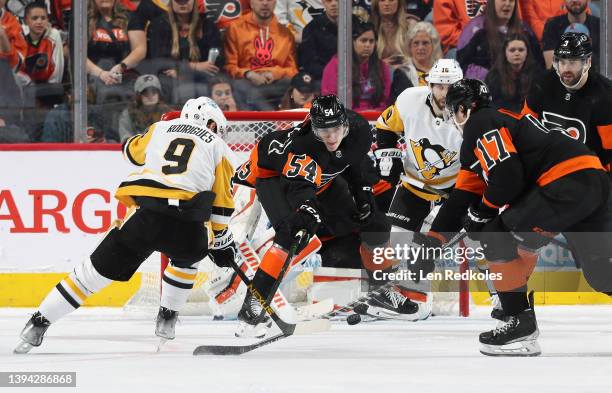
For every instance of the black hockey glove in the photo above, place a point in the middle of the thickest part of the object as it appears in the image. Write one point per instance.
(306, 218)
(424, 263)
(365, 202)
(223, 251)
(477, 216)
(389, 164)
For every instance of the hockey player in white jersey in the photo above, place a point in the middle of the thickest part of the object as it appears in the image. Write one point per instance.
(427, 168)
(178, 196)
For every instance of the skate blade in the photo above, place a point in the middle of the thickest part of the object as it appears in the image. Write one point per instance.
(520, 348)
(258, 331)
(23, 348)
(161, 343)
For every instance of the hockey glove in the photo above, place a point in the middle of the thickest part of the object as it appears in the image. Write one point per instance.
(223, 251)
(478, 215)
(389, 164)
(424, 263)
(364, 199)
(306, 218)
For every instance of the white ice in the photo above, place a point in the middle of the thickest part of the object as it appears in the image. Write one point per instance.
(112, 351)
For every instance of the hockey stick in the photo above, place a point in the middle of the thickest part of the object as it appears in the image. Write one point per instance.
(287, 329)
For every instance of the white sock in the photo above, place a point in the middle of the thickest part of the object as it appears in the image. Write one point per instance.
(177, 282)
(70, 293)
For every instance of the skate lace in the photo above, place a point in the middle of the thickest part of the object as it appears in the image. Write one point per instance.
(395, 297)
(39, 320)
(255, 307)
(512, 322)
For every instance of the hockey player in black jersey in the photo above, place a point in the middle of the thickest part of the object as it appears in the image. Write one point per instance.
(574, 99)
(546, 182)
(318, 177)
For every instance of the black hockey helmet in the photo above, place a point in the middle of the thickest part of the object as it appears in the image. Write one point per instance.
(327, 112)
(574, 46)
(469, 93)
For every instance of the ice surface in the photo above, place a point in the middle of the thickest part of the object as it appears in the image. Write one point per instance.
(112, 351)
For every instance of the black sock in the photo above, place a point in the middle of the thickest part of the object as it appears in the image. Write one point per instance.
(515, 302)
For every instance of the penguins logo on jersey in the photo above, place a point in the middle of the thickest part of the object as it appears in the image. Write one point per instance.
(431, 159)
(574, 128)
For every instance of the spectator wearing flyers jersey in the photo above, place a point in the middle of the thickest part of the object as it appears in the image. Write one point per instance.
(536, 13)
(45, 57)
(451, 16)
(12, 44)
(260, 57)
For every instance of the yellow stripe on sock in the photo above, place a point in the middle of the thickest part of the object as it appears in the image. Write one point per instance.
(184, 276)
(75, 288)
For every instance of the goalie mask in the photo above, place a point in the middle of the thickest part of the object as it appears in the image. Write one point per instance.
(467, 96)
(329, 121)
(202, 112)
(572, 59)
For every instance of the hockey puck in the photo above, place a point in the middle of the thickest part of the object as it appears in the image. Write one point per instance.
(353, 319)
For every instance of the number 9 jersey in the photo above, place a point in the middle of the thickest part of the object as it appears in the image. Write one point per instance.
(177, 160)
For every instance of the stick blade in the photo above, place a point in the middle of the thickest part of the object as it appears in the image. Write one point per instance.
(223, 350)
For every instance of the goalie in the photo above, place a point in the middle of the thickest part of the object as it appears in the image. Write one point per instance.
(183, 182)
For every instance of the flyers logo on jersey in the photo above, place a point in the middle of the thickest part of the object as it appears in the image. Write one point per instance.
(574, 128)
(475, 7)
(431, 159)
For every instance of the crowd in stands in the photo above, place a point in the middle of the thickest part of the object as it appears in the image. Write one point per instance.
(145, 57)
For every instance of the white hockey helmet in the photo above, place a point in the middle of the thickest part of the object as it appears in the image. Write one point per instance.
(200, 111)
(445, 71)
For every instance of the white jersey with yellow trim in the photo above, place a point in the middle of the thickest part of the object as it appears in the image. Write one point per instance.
(432, 144)
(177, 160)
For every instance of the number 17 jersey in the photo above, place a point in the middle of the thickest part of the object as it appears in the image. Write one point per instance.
(177, 160)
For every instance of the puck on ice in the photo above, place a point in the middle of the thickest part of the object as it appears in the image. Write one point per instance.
(353, 319)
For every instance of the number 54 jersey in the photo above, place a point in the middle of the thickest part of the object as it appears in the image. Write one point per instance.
(177, 160)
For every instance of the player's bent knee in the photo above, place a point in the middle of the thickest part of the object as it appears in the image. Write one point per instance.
(89, 277)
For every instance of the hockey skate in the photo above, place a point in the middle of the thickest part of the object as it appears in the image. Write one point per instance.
(513, 336)
(33, 333)
(166, 321)
(390, 304)
(250, 325)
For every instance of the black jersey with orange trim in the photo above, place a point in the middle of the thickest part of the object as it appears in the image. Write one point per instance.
(584, 115)
(305, 164)
(503, 156)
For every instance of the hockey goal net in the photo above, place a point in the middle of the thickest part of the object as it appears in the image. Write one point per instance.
(245, 129)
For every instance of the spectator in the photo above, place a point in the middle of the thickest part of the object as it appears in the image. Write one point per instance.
(145, 109)
(10, 107)
(58, 125)
(296, 14)
(362, 9)
(451, 16)
(536, 13)
(423, 43)
(512, 74)
(419, 10)
(576, 19)
(392, 25)
(371, 76)
(260, 55)
(320, 40)
(12, 44)
(481, 40)
(300, 93)
(223, 13)
(221, 92)
(108, 40)
(181, 43)
(45, 54)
